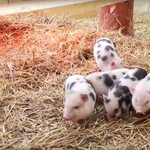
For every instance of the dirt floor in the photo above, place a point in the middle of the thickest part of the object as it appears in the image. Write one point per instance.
(36, 56)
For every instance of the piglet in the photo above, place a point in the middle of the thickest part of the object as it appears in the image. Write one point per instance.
(105, 55)
(80, 98)
(118, 101)
(141, 96)
(102, 81)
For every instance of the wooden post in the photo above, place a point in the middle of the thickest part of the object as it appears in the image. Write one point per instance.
(118, 15)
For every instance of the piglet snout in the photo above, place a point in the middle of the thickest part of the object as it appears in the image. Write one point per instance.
(66, 118)
(139, 112)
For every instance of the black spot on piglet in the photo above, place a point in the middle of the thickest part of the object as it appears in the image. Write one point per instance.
(114, 77)
(108, 41)
(133, 79)
(128, 98)
(118, 93)
(99, 56)
(71, 85)
(126, 76)
(107, 48)
(67, 86)
(90, 84)
(107, 101)
(115, 85)
(123, 110)
(116, 110)
(92, 96)
(140, 73)
(121, 91)
(107, 80)
(120, 101)
(112, 55)
(124, 89)
(99, 45)
(99, 78)
(104, 58)
(125, 96)
(98, 52)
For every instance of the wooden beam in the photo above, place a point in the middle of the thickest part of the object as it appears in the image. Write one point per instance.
(86, 9)
(118, 16)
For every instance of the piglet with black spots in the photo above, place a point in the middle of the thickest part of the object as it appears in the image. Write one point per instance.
(80, 98)
(102, 81)
(141, 96)
(105, 55)
(118, 101)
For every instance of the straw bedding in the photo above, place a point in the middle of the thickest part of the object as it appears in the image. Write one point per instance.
(36, 56)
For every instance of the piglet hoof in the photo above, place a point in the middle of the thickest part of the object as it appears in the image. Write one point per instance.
(65, 118)
(112, 120)
(68, 119)
(109, 119)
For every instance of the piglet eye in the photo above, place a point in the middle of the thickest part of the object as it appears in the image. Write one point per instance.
(76, 107)
(146, 102)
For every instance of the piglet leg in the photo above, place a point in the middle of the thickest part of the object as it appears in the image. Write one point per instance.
(110, 119)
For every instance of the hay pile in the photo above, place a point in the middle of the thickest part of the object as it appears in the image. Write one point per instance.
(36, 56)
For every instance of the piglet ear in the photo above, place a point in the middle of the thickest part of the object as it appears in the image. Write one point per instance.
(104, 97)
(84, 97)
(112, 63)
(132, 90)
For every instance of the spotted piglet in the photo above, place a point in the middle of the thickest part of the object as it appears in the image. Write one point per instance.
(102, 81)
(118, 101)
(105, 55)
(80, 98)
(141, 96)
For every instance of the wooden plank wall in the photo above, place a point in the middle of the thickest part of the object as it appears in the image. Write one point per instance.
(77, 10)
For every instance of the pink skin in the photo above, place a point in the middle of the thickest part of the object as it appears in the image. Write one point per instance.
(110, 119)
(68, 119)
(140, 101)
(72, 113)
(108, 115)
(113, 65)
(109, 109)
(78, 102)
(140, 112)
(113, 62)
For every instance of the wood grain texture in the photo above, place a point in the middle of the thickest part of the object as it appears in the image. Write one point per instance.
(118, 16)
